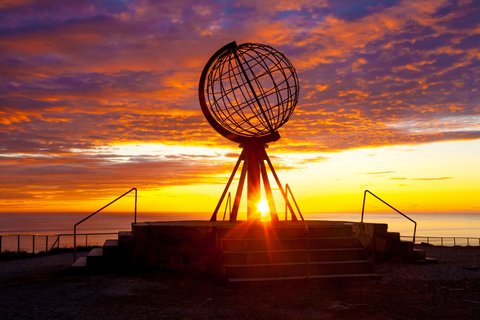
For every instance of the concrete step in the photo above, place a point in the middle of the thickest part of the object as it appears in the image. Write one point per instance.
(125, 238)
(393, 236)
(406, 246)
(336, 277)
(94, 253)
(125, 234)
(419, 254)
(427, 260)
(288, 244)
(298, 269)
(110, 243)
(101, 259)
(110, 249)
(281, 256)
(95, 258)
(80, 263)
(262, 232)
(111, 253)
(125, 247)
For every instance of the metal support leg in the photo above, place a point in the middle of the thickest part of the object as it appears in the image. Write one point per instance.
(214, 215)
(268, 192)
(238, 195)
(284, 194)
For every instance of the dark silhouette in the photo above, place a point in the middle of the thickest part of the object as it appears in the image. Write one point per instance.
(247, 92)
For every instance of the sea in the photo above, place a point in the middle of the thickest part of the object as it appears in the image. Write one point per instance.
(18, 230)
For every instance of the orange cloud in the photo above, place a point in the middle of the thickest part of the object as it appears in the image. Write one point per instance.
(83, 75)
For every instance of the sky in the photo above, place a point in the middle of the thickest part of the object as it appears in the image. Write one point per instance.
(97, 97)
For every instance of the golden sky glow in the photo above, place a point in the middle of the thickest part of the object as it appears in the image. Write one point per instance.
(99, 97)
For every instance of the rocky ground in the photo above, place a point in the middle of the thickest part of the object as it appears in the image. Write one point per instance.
(43, 288)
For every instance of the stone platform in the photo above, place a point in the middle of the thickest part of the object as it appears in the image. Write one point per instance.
(247, 251)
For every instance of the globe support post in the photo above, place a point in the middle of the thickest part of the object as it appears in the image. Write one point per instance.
(254, 174)
(238, 195)
(214, 216)
(253, 180)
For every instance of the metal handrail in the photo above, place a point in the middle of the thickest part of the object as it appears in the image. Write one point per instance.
(391, 207)
(288, 191)
(228, 205)
(94, 213)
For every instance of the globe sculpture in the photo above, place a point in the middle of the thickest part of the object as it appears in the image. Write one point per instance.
(247, 92)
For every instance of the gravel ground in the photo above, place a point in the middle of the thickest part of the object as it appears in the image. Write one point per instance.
(44, 288)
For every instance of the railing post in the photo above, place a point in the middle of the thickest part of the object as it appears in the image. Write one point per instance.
(307, 253)
(441, 241)
(74, 243)
(33, 244)
(363, 205)
(46, 243)
(414, 231)
(287, 202)
(0, 243)
(135, 214)
(454, 242)
(468, 242)
(18, 243)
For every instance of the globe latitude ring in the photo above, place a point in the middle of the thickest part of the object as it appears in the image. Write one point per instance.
(248, 91)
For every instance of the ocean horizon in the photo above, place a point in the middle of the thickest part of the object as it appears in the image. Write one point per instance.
(428, 224)
(16, 229)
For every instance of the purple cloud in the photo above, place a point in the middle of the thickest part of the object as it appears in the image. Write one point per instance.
(75, 75)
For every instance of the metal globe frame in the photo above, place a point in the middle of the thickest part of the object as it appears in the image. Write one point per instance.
(247, 92)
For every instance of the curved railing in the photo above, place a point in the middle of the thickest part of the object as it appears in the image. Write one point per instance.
(391, 207)
(91, 215)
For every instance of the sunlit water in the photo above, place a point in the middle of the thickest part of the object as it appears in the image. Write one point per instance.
(428, 224)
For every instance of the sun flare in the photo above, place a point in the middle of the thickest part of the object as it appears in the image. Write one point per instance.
(264, 210)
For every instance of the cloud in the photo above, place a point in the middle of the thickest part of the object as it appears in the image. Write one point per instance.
(432, 178)
(99, 172)
(422, 179)
(409, 72)
(82, 75)
(380, 172)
